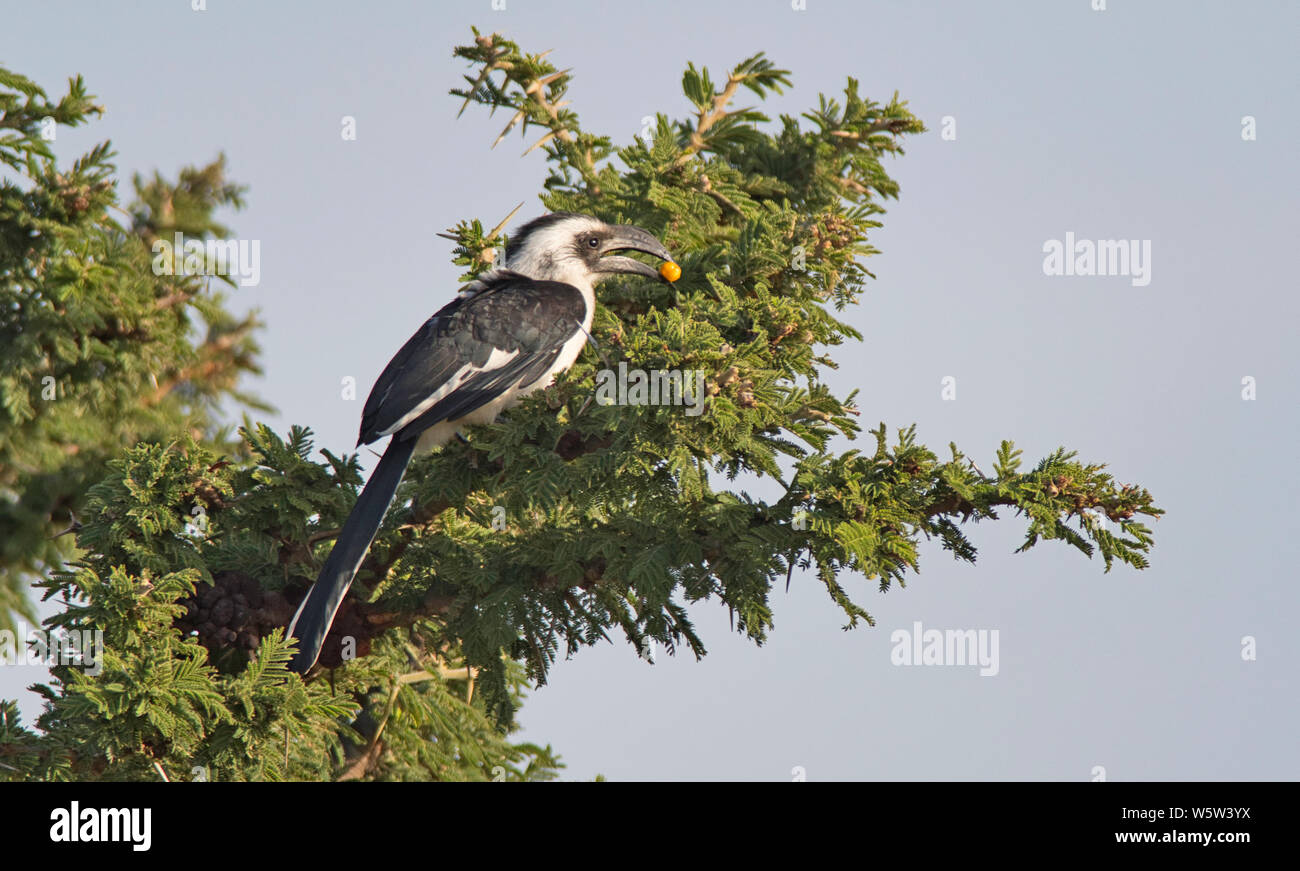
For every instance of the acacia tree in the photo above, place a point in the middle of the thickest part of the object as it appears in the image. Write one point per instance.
(96, 351)
(98, 354)
(569, 519)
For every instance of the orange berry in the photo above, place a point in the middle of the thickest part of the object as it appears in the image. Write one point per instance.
(670, 270)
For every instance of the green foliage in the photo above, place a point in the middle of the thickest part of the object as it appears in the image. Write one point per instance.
(167, 700)
(615, 516)
(111, 378)
(565, 522)
(157, 709)
(96, 352)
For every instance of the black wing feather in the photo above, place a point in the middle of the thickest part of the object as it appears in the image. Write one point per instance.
(512, 313)
(480, 389)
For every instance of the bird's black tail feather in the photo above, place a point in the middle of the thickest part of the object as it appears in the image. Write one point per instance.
(312, 622)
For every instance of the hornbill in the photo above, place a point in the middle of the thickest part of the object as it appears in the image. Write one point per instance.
(508, 334)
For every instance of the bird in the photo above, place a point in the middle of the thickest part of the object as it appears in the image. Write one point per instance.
(507, 334)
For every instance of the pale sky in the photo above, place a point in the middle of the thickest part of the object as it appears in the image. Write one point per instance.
(1120, 124)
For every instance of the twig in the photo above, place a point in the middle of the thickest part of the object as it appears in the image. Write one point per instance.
(373, 750)
(708, 117)
(322, 535)
(506, 220)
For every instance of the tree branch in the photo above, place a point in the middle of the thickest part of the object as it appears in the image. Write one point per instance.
(706, 118)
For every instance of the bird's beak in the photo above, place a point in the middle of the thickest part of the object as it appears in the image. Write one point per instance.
(628, 238)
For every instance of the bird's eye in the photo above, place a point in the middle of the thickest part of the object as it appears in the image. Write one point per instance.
(593, 242)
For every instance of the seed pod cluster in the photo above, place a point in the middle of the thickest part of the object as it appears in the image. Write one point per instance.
(233, 612)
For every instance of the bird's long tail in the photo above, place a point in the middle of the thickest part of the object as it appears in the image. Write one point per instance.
(312, 622)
